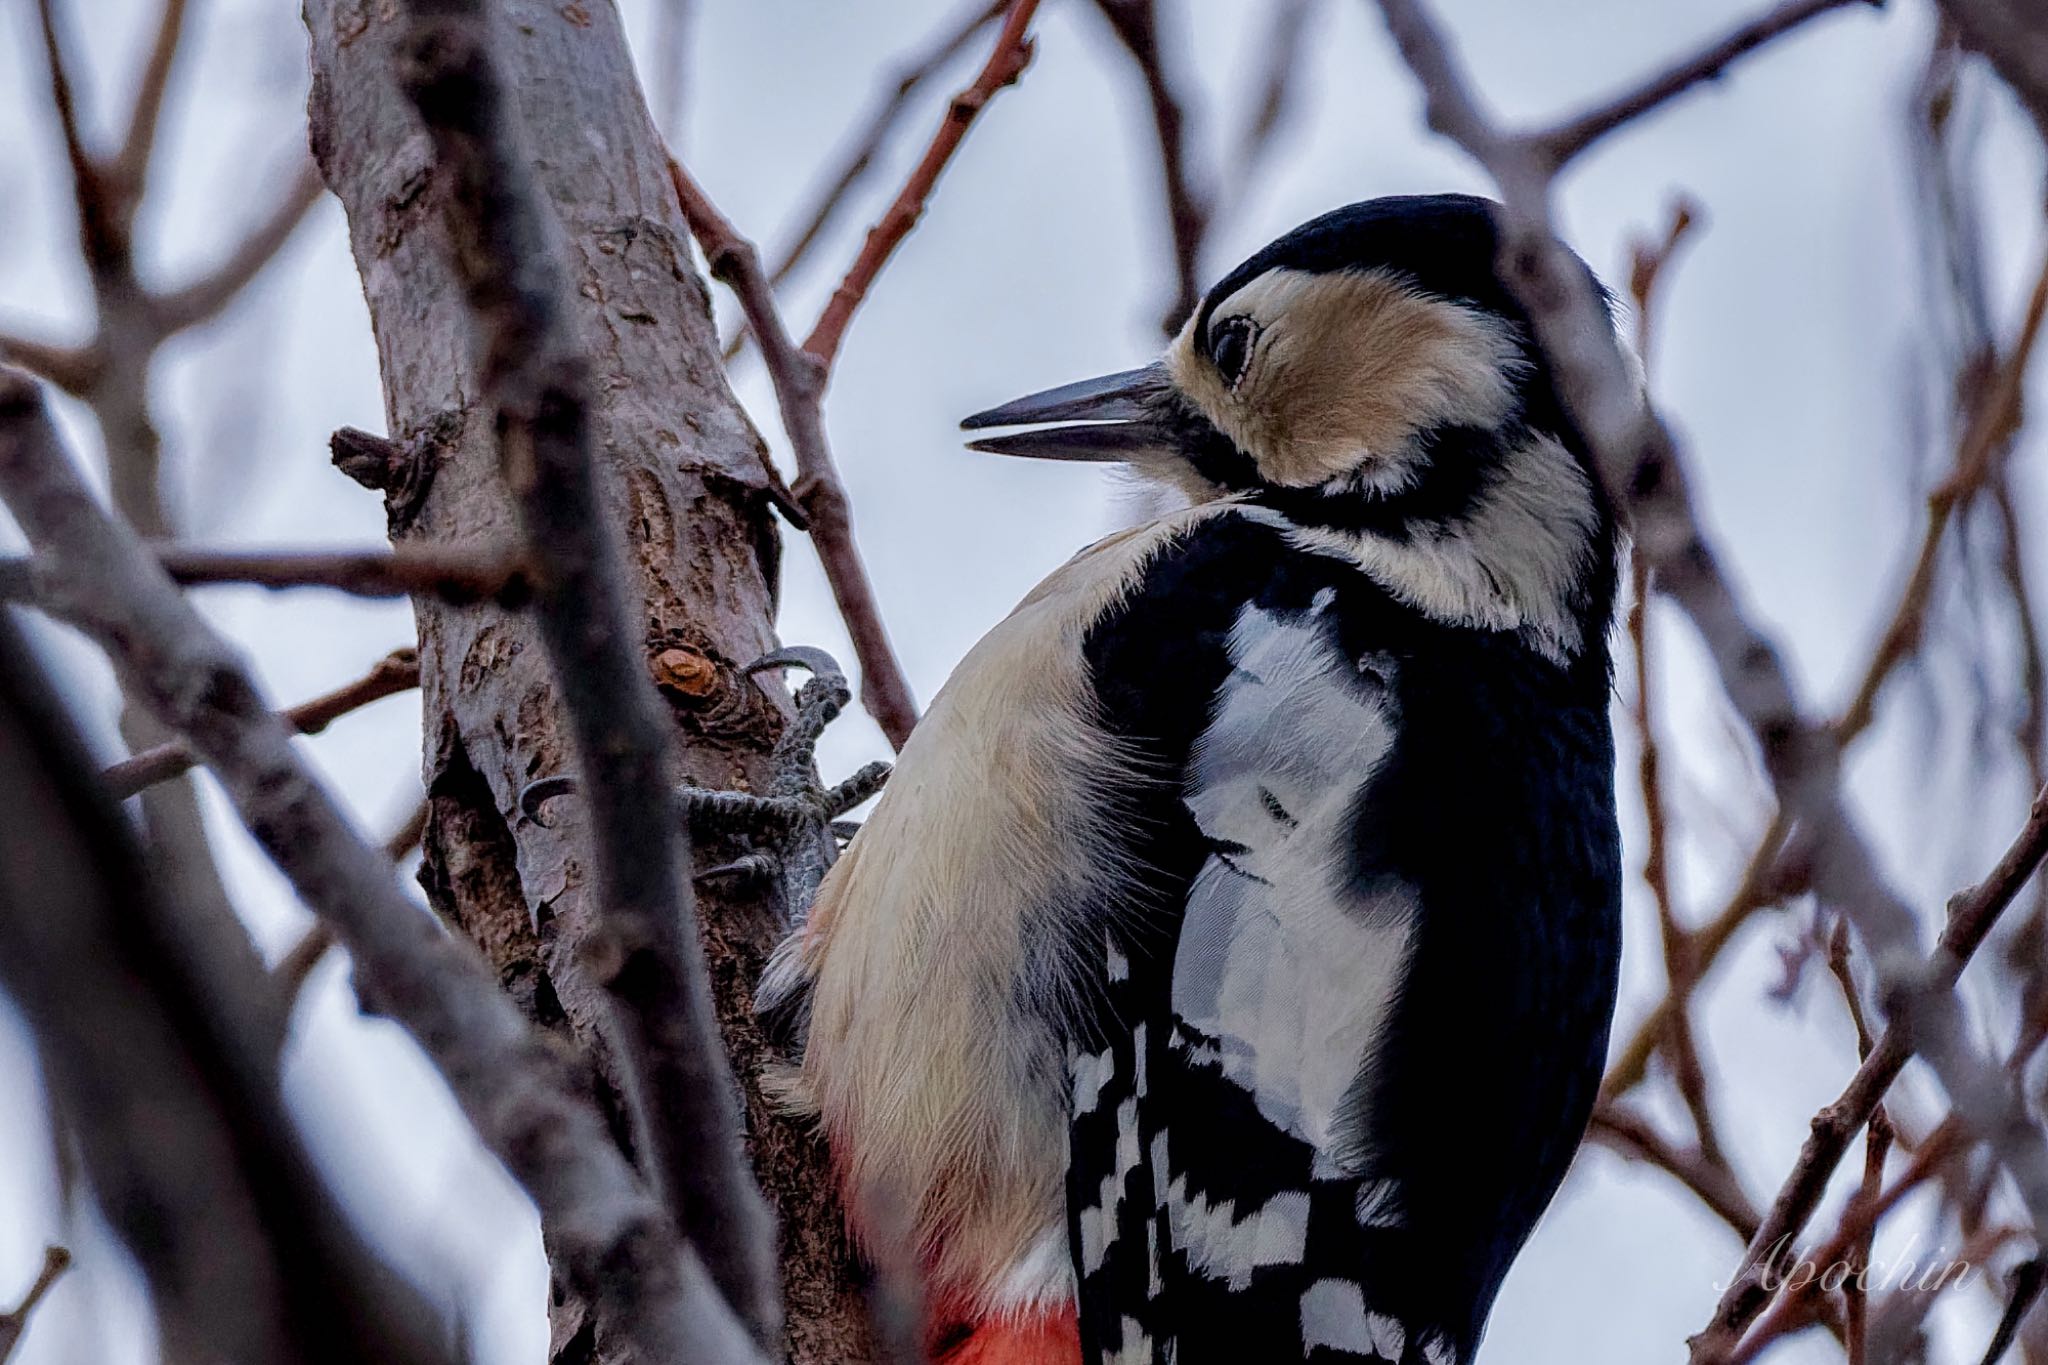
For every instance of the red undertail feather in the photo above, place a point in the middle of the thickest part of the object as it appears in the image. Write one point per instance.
(1051, 1337)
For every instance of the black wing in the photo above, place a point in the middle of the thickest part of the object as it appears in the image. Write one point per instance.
(1345, 1055)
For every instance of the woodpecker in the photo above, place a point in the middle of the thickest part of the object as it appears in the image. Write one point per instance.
(1225, 973)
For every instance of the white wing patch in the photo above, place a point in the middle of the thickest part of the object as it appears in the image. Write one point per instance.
(1290, 971)
(1227, 1246)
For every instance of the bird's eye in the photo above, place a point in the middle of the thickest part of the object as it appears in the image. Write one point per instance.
(1230, 346)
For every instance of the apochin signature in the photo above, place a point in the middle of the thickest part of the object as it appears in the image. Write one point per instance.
(1786, 1268)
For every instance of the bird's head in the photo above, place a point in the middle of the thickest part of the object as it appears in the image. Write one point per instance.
(1370, 378)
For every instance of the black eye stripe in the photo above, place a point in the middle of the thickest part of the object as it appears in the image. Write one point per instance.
(1230, 347)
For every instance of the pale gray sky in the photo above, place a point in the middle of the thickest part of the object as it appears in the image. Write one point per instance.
(1785, 359)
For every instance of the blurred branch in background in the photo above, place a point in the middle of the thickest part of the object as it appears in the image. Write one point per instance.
(110, 372)
(160, 1033)
(397, 672)
(1188, 199)
(14, 1322)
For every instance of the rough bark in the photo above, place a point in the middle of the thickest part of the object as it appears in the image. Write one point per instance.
(682, 474)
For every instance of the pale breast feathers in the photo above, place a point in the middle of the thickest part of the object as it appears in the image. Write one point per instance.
(938, 948)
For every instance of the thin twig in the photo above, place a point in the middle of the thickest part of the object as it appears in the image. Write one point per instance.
(1681, 1048)
(455, 575)
(102, 226)
(74, 369)
(1972, 914)
(799, 380)
(1007, 62)
(525, 1097)
(56, 1260)
(204, 299)
(1287, 27)
(893, 102)
(1136, 25)
(1632, 1135)
(646, 949)
(396, 672)
(1570, 138)
(131, 164)
(1993, 420)
(302, 957)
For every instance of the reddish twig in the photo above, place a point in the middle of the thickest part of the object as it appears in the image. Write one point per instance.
(396, 672)
(1136, 25)
(1007, 62)
(1972, 913)
(1993, 420)
(1680, 969)
(1620, 1128)
(910, 76)
(799, 379)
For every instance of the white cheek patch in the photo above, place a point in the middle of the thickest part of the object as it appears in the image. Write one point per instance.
(1286, 972)
(1514, 562)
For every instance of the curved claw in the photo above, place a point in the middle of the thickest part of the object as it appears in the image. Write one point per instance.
(540, 791)
(816, 661)
(749, 870)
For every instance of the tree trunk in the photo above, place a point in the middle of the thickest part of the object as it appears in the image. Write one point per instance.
(683, 474)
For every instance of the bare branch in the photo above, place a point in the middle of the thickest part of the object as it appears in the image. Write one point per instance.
(74, 369)
(1993, 420)
(1283, 49)
(457, 575)
(56, 1260)
(799, 379)
(522, 1093)
(204, 299)
(102, 221)
(1136, 25)
(298, 963)
(1570, 138)
(1638, 461)
(1972, 914)
(131, 164)
(2014, 35)
(1765, 880)
(1632, 1135)
(537, 380)
(910, 76)
(162, 1054)
(396, 672)
(1012, 53)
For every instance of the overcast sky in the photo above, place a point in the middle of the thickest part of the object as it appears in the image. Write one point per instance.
(1786, 358)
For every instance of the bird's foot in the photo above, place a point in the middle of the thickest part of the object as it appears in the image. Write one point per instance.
(793, 831)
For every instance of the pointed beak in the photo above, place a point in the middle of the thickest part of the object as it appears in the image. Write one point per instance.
(1114, 418)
